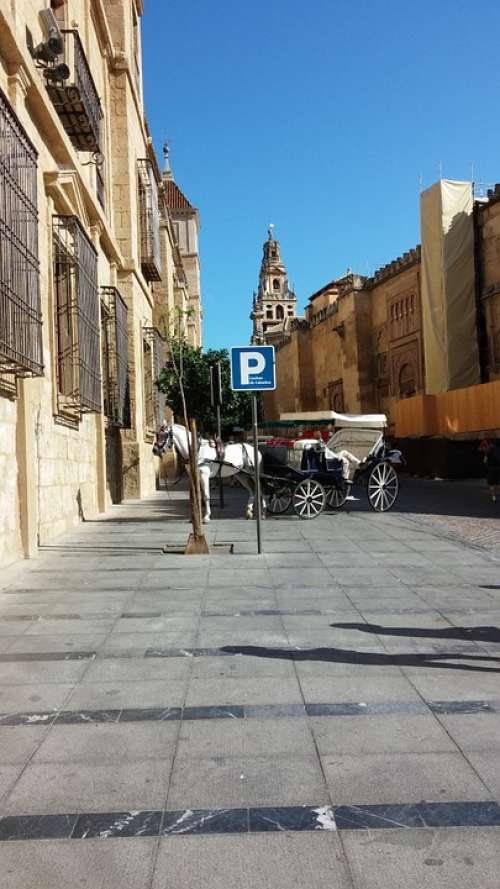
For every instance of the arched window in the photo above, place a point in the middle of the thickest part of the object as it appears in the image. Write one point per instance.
(338, 402)
(407, 381)
(276, 284)
(280, 314)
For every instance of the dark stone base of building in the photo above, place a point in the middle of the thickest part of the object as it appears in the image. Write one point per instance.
(442, 457)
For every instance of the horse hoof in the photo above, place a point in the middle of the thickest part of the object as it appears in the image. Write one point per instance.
(206, 519)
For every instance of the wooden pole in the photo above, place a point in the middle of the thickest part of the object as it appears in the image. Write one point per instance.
(197, 543)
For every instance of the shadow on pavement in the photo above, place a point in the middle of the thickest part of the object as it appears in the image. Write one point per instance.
(368, 658)
(472, 634)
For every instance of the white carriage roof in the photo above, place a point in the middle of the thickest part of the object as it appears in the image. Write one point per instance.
(360, 421)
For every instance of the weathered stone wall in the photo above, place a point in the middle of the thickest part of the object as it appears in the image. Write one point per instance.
(9, 507)
(67, 474)
(488, 241)
(55, 470)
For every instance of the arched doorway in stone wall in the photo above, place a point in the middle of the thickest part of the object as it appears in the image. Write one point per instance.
(407, 384)
(335, 392)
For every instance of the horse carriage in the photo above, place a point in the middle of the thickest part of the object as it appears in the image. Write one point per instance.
(307, 475)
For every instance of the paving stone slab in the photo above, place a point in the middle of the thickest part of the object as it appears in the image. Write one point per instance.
(102, 742)
(357, 687)
(118, 694)
(136, 670)
(401, 778)
(130, 641)
(241, 666)
(45, 865)
(222, 781)
(475, 732)
(44, 644)
(227, 690)
(17, 744)
(436, 859)
(50, 696)
(241, 737)
(61, 787)
(34, 672)
(381, 734)
(272, 861)
(47, 627)
(487, 766)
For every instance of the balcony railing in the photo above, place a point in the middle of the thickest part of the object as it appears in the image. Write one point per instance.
(75, 98)
(114, 338)
(149, 221)
(77, 319)
(154, 362)
(20, 308)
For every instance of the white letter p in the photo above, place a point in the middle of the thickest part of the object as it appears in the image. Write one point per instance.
(251, 363)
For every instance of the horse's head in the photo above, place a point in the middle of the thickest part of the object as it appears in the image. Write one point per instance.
(164, 439)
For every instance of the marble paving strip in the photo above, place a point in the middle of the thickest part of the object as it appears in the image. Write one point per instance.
(245, 711)
(284, 651)
(254, 612)
(22, 656)
(134, 823)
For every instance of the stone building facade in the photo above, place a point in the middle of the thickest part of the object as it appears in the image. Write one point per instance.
(185, 220)
(274, 304)
(360, 347)
(89, 266)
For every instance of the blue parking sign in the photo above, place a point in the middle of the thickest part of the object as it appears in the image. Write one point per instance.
(253, 368)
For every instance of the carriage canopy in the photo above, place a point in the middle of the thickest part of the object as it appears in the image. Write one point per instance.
(346, 421)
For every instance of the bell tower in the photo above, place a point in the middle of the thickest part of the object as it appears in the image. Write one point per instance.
(274, 302)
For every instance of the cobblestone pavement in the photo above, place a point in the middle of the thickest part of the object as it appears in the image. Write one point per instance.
(457, 509)
(326, 714)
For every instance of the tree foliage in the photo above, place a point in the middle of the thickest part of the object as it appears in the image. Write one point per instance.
(194, 365)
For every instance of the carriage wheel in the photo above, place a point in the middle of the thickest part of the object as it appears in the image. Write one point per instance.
(383, 487)
(309, 499)
(279, 500)
(336, 497)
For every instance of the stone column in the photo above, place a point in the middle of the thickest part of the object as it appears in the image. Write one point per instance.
(100, 420)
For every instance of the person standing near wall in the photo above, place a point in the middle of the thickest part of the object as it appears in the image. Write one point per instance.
(491, 455)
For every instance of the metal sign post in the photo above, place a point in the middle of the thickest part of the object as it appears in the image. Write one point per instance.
(257, 503)
(253, 370)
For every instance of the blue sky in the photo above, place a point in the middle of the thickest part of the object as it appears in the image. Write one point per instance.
(320, 118)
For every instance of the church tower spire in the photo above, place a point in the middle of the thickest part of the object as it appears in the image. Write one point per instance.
(274, 303)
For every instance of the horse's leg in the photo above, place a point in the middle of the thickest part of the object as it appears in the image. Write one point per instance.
(247, 482)
(205, 488)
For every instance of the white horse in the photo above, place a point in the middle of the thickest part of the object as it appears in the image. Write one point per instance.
(236, 460)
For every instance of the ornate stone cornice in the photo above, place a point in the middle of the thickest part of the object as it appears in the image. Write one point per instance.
(401, 264)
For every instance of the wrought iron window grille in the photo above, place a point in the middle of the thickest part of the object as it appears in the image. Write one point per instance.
(21, 351)
(149, 220)
(114, 339)
(77, 318)
(74, 95)
(154, 348)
